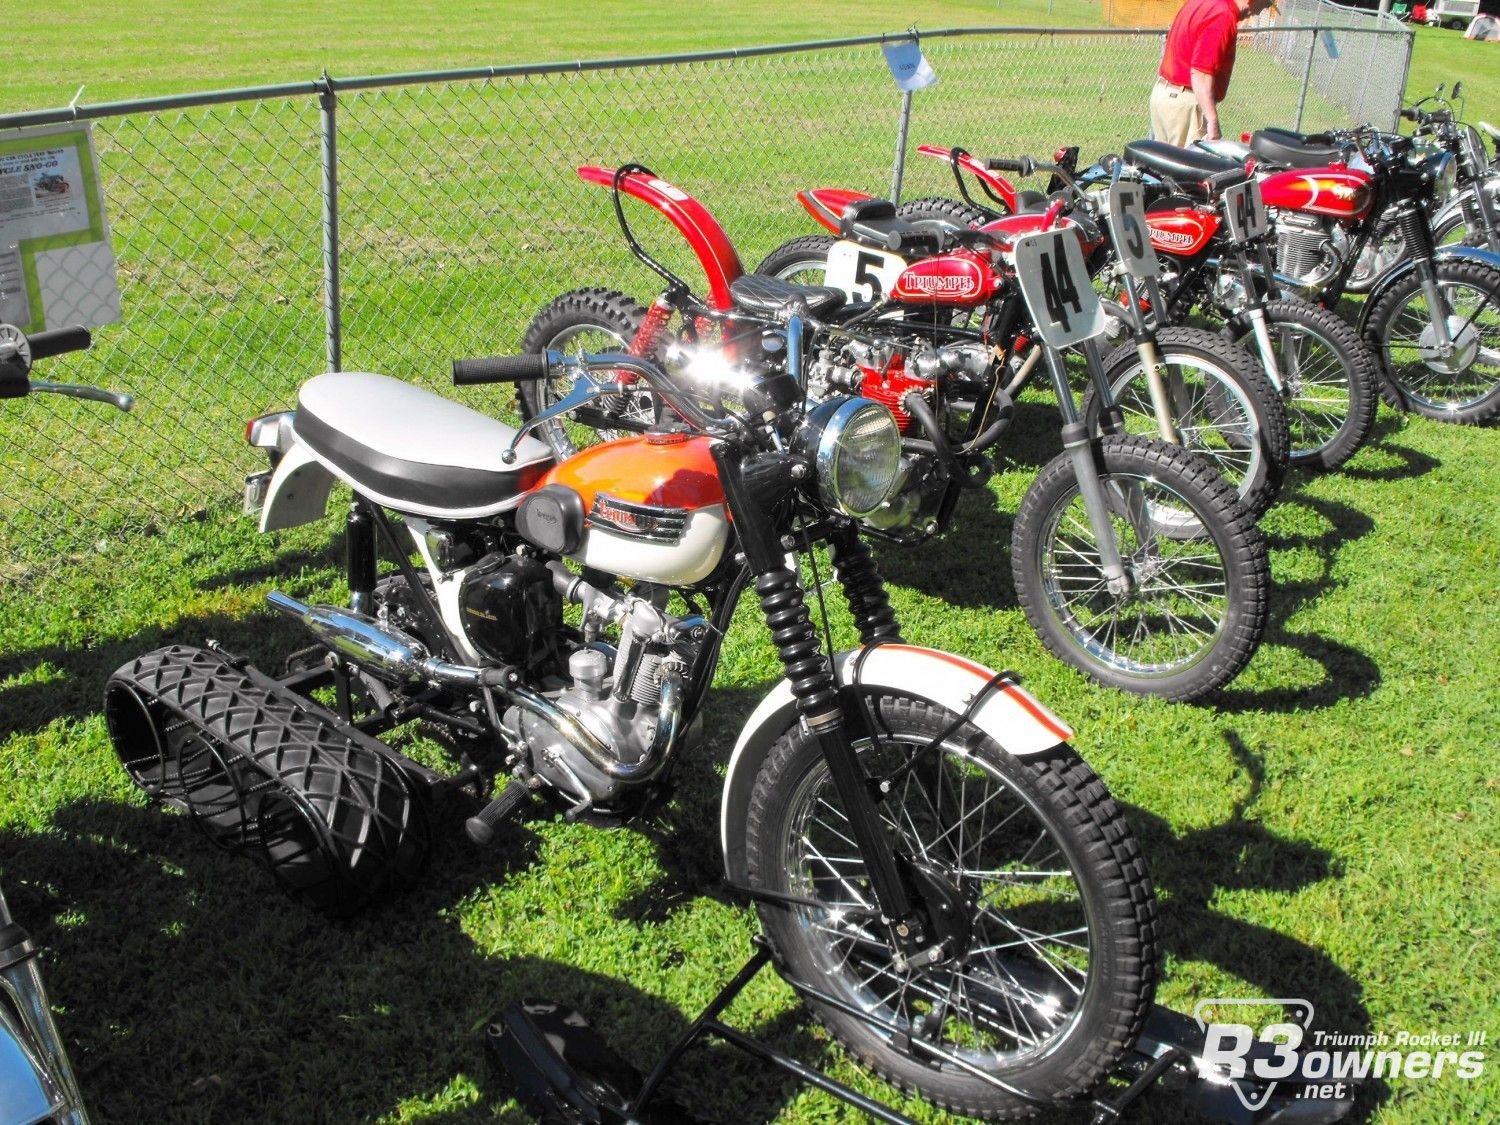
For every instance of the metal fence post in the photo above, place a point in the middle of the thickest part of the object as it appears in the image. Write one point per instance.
(904, 123)
(332, 321)
(1307, 71)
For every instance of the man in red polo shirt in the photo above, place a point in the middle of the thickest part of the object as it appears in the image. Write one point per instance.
(1195, 68)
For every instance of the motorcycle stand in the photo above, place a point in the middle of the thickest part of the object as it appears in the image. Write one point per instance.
(563, 1072)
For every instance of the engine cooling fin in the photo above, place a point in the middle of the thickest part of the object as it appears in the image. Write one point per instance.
(270, 774)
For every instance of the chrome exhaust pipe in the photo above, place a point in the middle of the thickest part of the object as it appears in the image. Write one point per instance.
(364, 642)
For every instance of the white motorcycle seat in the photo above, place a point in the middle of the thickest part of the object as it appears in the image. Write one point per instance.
(409, 449)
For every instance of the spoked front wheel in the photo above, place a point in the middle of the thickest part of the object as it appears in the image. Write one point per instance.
(1329, 380)
(1191, 609)
(1457, 383)
(1220, 402)
(587, 320)
(1052, 956)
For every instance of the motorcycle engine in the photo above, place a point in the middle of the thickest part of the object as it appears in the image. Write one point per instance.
(627, 696)
(1309, 249)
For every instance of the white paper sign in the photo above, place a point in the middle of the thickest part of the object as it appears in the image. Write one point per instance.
(57, 267)
(909, 67)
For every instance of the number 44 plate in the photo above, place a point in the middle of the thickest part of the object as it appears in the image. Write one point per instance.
(1055, 284)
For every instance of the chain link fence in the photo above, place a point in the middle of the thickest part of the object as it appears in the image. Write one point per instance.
(391, 224)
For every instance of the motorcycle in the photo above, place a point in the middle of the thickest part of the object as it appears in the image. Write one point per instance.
(1206, 394)
(936, 868)
(1167, 599)
(1432, 320)
(1471, 216)
(37, 1081)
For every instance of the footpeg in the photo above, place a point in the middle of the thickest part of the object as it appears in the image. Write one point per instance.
(481, 826)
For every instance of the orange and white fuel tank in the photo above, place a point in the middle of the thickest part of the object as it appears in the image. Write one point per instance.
(652, 507)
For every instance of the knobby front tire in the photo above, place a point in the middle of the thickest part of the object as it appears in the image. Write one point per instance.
(1223, 408)
(1330, 380)
(1196, 607)
(1463, 388)
(1059, 961)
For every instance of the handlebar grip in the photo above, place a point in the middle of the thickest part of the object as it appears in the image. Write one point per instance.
(1023, 167)
(499, 369)
(57, 341)
(1411, 113)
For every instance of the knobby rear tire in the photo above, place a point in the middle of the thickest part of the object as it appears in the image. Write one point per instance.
(1034, 842)
(802, 260)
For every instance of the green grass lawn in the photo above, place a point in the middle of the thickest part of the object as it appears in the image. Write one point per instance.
(1326, 829)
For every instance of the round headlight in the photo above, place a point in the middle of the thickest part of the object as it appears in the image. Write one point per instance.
(856, 447)
(1444, 171)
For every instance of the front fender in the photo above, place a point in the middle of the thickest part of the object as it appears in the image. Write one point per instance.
(1443, 253)
(1012, 717)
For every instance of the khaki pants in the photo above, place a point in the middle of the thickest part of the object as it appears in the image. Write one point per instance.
(1175, 116)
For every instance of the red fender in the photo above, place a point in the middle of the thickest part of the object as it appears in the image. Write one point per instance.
(826, 204)
(975, 167)
(716, 254)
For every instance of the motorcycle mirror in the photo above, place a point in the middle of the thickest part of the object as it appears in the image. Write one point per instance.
(1458, 88)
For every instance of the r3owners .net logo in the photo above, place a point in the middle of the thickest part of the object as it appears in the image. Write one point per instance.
(1277, 1046)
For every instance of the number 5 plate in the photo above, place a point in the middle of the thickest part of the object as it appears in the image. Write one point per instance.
(864, 274)
(1055, 283)
(1127, 226)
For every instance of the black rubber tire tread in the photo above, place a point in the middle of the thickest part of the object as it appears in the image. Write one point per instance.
(237, 754)
(954, 211)
(1106, 860)
(1261, 488)
(1474, 274)
(603, 309)
(799, 254)
(1226, 521)
(1361, 377)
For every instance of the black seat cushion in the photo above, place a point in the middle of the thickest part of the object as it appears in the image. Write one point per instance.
(758, 293)
(873, 222)
(1186, 165)
(412, 450)
(1295, 150)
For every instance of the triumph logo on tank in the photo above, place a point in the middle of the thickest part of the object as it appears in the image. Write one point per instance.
(1283, 1051)
(638, 521)
(944, 285)
(1171, 239)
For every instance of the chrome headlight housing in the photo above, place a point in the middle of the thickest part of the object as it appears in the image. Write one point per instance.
(855, 447)
(1443, 169)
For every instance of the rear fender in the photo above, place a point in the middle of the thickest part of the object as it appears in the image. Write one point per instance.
(827, 204)
(1443, 253)
(716, 254)
(1011, 716)
(298, 492)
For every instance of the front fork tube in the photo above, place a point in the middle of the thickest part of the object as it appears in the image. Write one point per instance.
(1437, 307)
(1256, 314)
(1079, 447)
(1145, 347)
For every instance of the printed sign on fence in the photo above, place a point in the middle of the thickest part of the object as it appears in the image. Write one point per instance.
(909, 67)
(57, 267)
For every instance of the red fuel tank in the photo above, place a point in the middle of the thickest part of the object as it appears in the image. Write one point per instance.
(1182, 231)
(1341, 193)
(961, 278)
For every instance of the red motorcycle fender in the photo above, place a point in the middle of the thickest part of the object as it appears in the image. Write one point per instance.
(975, 167)
(716, 254)
(826, 204)
(1009, 715)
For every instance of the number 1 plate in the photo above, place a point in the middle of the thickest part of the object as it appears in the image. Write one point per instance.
(1055, 283)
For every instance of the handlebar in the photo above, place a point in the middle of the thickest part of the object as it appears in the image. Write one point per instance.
(18, 352)
(59, 341)
(1025, 166)
(499, 369)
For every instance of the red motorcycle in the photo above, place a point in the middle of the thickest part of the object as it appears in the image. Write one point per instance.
(1133, 559)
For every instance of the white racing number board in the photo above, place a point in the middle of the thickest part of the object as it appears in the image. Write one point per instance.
(1245, 212)
(1127, 226)
(864, 274)
(1055, 284)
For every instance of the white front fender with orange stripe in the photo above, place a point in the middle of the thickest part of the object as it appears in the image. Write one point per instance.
(1012, 717)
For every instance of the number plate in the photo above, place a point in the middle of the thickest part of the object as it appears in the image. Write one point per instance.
(1245, 212)
(1055, 283)
(1127, 226)
(864, 274)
